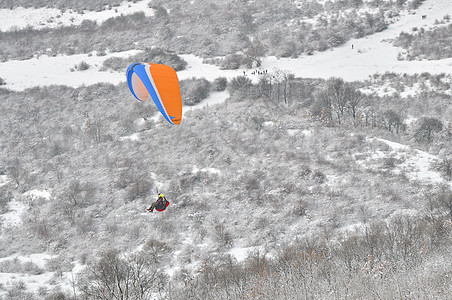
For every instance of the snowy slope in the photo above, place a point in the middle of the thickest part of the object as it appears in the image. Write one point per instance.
(415, 164)
(16, 208)
(14, 214)
(372, 54)
(51, 17)
(33, 282)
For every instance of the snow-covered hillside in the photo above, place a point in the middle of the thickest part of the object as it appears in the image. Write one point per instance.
(370, 55)
(39, 18)
(308, 180)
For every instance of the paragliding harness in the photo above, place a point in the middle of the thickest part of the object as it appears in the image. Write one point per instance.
(160, 205)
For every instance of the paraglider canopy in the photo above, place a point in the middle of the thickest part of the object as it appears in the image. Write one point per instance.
(161, 84)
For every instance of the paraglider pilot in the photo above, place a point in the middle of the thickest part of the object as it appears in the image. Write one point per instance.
(160, 204)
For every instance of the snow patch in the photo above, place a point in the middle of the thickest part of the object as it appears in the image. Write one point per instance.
(352, 229)
(197, 69)
(14, 214)
(296, 131)
(35, 194)
(307, 132)
(242, 253)
(3, 180)
(205, 170)
(132, 137)
(413, 163)
(48, 70)
(212, 99)
(34, 282)
(172, 271)
(293, 132)
(404, 213)
(39, 259)
(268, 124)
(417, 165)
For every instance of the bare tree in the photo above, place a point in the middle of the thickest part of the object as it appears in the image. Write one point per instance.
(337, 93)
(114, 277)
(94, 128)
(284, 81)
(445, 201)
(16, 171)
(446, 167)
(5, 198)
(253, 52)
(323, 107)
(392, 120)
(354, 98)
(426, 128)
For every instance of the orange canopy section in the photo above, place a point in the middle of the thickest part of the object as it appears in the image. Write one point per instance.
(160, 82)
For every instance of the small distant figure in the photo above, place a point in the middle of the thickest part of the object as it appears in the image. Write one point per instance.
(424, 17)
(353, 46)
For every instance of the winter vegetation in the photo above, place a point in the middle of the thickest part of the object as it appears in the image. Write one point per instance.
(297, 165)
(432, 45)
(287, 187)
(284, 29)
(92, 5)
(156, 55)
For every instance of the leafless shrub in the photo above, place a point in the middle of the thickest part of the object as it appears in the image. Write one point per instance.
(16, 266)
(194, 90)
(319, 177)
(220, 84)
(82, 66)
(114, 277)
(444, 200)
(223, 237)
(300, 208)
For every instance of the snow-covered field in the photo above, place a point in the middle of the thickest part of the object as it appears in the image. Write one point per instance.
(47, 70)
